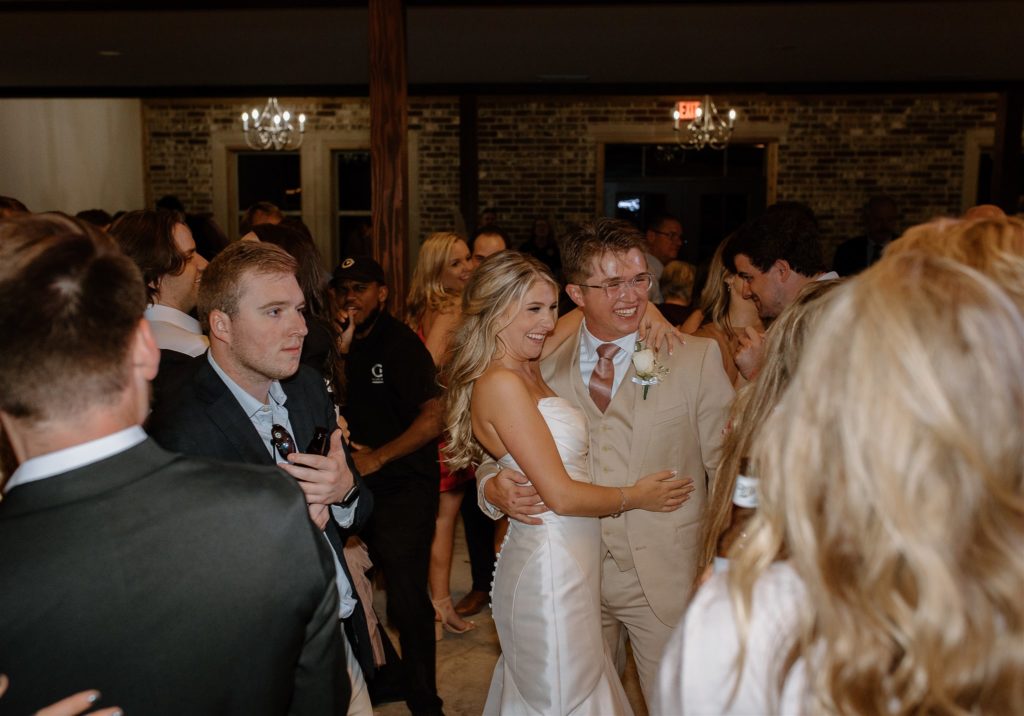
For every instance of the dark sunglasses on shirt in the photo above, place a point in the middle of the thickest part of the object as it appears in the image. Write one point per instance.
(285, 444)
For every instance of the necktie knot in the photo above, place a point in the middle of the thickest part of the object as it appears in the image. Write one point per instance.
(607, 350)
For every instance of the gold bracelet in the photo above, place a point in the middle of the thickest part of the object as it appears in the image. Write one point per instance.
(622, 505)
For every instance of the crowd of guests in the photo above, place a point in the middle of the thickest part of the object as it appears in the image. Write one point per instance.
(810, 499)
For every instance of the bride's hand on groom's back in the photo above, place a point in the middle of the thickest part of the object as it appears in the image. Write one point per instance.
(660, 492)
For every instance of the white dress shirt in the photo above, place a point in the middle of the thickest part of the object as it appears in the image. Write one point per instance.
(72, 458)
(176, 331)
(263, 417)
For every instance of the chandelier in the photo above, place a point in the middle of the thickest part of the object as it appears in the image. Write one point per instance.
(706, 127)
(272, 128)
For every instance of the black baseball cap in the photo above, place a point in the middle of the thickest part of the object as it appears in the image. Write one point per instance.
(358, 268)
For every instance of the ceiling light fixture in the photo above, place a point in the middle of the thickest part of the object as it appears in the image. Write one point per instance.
(706, 128)
(272, 128)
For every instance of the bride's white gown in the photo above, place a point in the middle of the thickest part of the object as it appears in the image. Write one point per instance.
(547, 604)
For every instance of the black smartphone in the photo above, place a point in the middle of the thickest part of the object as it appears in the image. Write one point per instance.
(321, 442)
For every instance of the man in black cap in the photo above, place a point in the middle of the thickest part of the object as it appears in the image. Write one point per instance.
(394, 413)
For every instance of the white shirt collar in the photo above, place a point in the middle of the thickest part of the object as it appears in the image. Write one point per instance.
(826, 276)
(76, 456)
(590, 343)
(249, 404)
(166, 314)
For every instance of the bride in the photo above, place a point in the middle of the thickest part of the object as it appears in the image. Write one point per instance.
(546, 592)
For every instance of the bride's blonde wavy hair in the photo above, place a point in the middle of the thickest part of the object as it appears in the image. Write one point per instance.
(895, 473)
(492, 297)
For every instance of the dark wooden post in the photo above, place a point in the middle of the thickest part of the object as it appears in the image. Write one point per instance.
(389, 118)
(469, 163)
(1006, 169)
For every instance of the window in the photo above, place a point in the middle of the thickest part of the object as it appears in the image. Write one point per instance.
(986, 165)
(352, 201)
(268, 176)
(712, 192)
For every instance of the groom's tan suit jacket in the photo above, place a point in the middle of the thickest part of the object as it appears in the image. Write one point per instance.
(678, 426)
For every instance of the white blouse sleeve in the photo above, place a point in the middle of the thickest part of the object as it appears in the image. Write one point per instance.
(698, 675)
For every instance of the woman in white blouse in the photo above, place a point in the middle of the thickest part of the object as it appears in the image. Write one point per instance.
(883, 572)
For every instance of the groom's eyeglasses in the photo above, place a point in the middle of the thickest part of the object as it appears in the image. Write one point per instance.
(642, 282)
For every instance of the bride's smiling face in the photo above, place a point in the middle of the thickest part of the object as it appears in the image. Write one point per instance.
(531, 322)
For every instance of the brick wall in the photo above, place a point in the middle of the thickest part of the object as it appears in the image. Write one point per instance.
(538, 158)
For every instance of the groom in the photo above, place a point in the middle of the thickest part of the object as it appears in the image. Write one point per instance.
(648, 558)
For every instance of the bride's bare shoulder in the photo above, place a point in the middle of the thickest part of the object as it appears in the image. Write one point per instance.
(499, 380)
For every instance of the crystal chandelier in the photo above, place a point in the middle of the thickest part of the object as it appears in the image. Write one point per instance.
(706, 128)
(272, 128)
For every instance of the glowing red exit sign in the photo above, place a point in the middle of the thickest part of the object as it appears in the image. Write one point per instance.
(687, 109)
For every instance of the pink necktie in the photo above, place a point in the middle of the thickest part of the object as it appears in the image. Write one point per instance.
(603, 376)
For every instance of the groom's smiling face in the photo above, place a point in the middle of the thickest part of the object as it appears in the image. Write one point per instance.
(611, 315)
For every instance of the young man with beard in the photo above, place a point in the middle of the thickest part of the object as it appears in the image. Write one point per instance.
(776, 255)
(235, 400)
(393, 411)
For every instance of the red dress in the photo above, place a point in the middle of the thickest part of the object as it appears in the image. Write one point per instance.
(449, 480)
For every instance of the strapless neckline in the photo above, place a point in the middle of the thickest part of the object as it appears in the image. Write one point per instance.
(540, 402)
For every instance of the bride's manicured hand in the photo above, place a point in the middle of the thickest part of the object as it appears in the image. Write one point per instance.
(660, 492)
(657, 332)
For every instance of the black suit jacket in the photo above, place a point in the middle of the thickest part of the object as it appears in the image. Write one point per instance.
(173, 585)
(203, 418)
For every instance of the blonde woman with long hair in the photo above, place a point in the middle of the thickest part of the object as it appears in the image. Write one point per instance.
(546, 595)
(753, 405)
(892, 476)
(432, 310)
(723, 314)
(432, 306)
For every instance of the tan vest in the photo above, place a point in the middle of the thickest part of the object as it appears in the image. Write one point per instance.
(679, 426)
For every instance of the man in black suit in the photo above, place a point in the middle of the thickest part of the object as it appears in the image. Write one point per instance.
(173, 585)
(250, 384)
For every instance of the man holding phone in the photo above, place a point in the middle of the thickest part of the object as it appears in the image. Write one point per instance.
(249, 400)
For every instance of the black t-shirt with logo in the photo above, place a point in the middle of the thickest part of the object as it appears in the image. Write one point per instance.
(389, 375)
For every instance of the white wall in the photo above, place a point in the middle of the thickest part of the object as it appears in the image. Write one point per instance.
(72, 154)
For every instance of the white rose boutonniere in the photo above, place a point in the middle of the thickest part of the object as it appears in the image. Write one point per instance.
(648, 370)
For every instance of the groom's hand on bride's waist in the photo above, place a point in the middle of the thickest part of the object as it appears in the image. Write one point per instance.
(513, 494)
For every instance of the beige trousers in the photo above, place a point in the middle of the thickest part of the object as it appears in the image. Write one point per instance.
(625, 613)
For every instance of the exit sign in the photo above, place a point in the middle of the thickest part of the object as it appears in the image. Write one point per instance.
(687, 109)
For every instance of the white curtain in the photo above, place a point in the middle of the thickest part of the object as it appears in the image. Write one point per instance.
(72, 154)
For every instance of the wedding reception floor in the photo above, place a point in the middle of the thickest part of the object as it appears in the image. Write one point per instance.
(465, 661)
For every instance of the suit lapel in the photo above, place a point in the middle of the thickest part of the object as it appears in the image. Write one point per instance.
(230, 419)
(301, 420)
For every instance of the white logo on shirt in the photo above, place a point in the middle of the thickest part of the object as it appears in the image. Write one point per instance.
(377, 374)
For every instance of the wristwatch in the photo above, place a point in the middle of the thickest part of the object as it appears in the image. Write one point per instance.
(349, 497)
